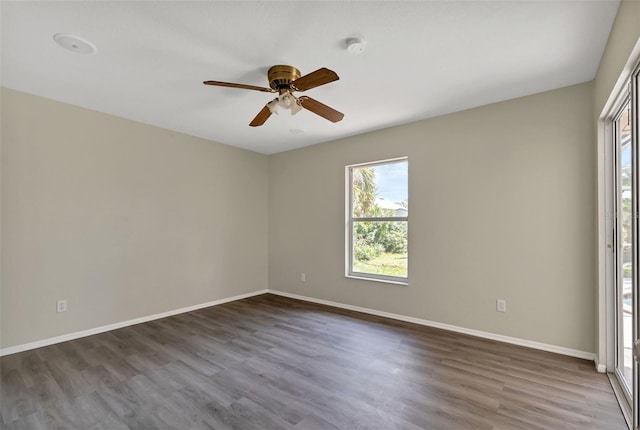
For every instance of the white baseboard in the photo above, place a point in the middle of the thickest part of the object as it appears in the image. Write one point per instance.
(102, 329)
(600, 367)
(507, 339)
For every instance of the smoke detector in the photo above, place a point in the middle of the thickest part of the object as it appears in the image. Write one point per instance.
(355, 46)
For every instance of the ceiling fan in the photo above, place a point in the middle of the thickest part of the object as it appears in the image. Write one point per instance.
(285, 80)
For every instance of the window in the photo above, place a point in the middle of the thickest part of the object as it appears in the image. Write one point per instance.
(378, 220)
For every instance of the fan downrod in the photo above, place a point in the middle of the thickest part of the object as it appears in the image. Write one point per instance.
(280, 77)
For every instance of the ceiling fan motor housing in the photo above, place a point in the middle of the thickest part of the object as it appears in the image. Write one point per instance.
(280, 77)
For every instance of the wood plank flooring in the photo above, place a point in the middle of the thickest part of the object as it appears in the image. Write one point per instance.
(270, 362)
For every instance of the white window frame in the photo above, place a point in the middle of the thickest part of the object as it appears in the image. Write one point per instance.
(349, 221)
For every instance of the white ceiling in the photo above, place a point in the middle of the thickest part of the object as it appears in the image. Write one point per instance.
(423, 59)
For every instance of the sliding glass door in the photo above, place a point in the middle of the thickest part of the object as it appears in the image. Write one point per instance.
(625, 172)
(626, 256)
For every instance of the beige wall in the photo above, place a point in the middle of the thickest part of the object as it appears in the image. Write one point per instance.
(121, 219)
(501, 206)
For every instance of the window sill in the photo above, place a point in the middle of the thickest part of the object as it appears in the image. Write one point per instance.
(384, 281)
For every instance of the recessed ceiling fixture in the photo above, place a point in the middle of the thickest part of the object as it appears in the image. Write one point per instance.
(355, 45)
(75, 43)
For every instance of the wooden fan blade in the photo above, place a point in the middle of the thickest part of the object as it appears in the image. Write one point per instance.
(321, 109)
(262, 116)
(314, 79)
(241, 86)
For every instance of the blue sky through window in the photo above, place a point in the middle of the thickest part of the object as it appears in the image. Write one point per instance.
(392, 180)
(626, 155)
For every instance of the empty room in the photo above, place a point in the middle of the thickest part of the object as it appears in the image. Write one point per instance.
(340, 215)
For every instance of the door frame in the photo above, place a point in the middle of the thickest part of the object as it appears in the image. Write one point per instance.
(607, 265)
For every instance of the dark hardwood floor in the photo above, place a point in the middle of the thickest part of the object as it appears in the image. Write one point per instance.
(270, 362)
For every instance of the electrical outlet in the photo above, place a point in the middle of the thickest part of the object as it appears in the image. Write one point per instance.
(501, 305)
(61, 306)
(303, 277)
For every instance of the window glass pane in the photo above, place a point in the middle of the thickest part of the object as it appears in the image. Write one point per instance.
(380, 190)
(380, 247)
(624, 288)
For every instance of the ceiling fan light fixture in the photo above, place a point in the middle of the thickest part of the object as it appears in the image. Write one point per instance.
(287, 100)
(285, 80)
(296, 107)
(273, 106)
